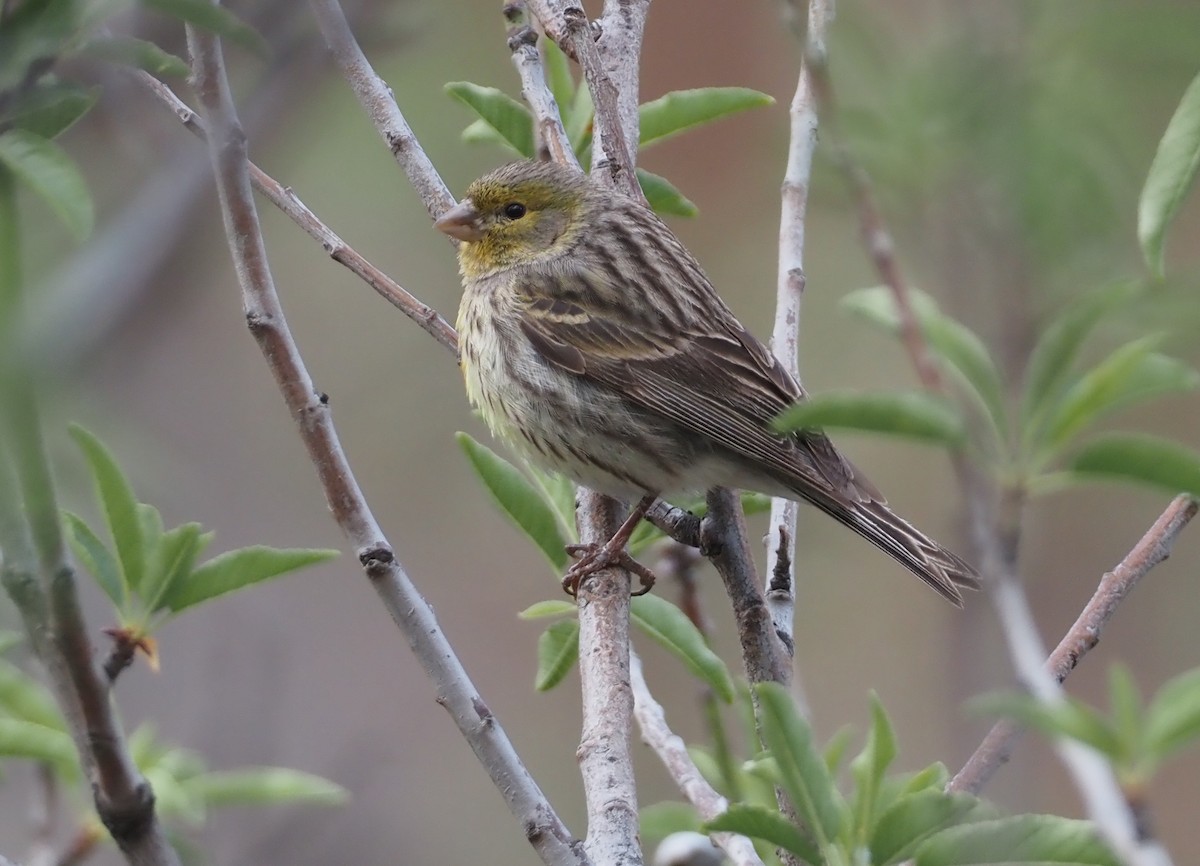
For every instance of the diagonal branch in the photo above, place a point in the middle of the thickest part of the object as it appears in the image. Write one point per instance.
(310, 410)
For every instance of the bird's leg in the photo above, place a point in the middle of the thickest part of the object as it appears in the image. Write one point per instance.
(595, 557)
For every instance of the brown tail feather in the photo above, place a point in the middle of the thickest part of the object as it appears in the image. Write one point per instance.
(920, 554)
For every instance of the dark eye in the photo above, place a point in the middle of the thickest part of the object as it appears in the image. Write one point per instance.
(514, 210)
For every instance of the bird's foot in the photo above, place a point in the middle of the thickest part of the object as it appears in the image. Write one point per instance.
(592, 558)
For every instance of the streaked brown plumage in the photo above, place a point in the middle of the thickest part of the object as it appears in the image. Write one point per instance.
(592, 341)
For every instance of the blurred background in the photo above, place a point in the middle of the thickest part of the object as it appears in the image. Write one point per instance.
(1008, 143)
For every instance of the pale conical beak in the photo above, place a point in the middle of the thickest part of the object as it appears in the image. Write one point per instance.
(461, 221)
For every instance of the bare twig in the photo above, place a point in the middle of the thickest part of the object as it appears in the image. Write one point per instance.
(310, 410)
(522, 42)
(682, 526)
(605, 762)
(377, 100)
(287, 201)
(1154, 547)
(781, 531)
(672, 751)
(723, 540)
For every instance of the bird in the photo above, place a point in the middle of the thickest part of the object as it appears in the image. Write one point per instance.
(593, 343)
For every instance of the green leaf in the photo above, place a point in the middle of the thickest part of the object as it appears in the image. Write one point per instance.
(911, 820)
(517, 498)
(558, 76)
(46, 169)
(1058, 346)
(137, 53)
(511, 120)
(173, 563)
(934, 776)
(174, 799)
(1072, 719)
(913, 414)
(805, 777)
(559, 491)
(579, 124)
(958, 348)
(482, 132)
(671, 629)
(1142, 458)
(1171, 176)
(1022, 839)
(1173, 717)
(663, 197)
(547, 609)
(24, 698)
(681, 110)
(216, 19)
(558, 649)
(50, 108)
(659, 820)
(264, 786)
(119, 504)
(1126, 710)
(97, 559)
(10, 639)
(836, 747)
(760, 823)
(237, 569)
(1131, 374)
(870, 765)
(24, 739)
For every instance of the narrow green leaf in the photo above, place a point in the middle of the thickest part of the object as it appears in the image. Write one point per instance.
(911, 820)
(1072, 719)
(1058, 346)
(10, 639)
(1126, 710)
(511, 120)
(805, 777)
(46, 169)
(870, 765)
(1138, 457)
(663, 197)
(558, 649)
(913, 414)
(119, 504)
(579, 124)
(237, 569)
(559, 491)
(517, 498)
(956, 346)
(152, 537)
(23, 739)
(50, 108)
(264, 786)
(659, 820)
(836, 748)
(645, 535)
(173, 563)
(670, 627)
(1022, 839)
(934, 776)
(547, 609)
(24, 698)
(1173, 717)
(558, 76)
(174, 799)
(482, 132)
(216, 19)
(97, 560)
(137, 53)
(1171, 176)
(1131, 374)
(759, 823)
(681, 110)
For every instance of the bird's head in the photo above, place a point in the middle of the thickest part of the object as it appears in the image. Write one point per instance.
(519, 214)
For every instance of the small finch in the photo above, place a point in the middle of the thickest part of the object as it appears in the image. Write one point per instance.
(594, 344)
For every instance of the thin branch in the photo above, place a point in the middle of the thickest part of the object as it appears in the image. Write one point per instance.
(604, 757)
(672, 751)
(1154, 547)
(123, 799)
(376, 98)
(287, 201)
(310, 410)
(789, 294)
(723, 540)
(522, 42)
(681, 525)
